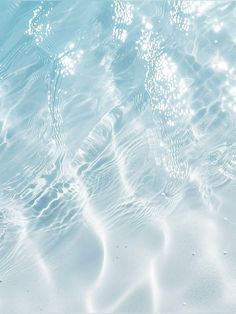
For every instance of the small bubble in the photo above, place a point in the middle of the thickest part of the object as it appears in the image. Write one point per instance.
(225, 252)
(193, 253)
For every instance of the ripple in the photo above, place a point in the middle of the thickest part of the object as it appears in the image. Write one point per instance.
(118, 156)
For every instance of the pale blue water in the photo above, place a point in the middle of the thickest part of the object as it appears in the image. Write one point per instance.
(117, 156)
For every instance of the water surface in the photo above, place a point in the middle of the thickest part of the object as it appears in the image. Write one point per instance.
(117, 156)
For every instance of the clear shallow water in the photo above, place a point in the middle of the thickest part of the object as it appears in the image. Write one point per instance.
(118, 156)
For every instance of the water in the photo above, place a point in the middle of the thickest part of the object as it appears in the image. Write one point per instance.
(118, 156)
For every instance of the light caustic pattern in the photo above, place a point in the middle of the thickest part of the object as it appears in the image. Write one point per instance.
(118, 156)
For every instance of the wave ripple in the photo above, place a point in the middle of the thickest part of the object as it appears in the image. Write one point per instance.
(118, 156)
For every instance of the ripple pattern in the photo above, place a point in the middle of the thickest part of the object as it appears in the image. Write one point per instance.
(117, 156)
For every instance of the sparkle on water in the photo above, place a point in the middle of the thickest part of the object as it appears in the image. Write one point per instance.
(118, 156)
